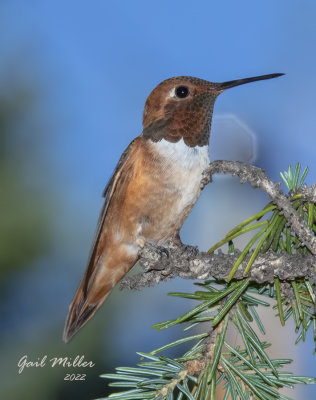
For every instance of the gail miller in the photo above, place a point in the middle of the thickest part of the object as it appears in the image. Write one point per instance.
(65, 362)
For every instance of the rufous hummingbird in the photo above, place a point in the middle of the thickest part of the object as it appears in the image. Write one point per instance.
(153, 188)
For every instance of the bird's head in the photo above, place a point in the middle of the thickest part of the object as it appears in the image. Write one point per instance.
(182, 107)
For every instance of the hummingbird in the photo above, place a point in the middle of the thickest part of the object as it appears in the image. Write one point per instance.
(153, 188)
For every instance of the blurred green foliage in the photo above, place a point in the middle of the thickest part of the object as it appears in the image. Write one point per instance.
(28, 201)
(25, 231)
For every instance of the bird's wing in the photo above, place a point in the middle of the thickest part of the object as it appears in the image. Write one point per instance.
(107, 194)
(81, 308)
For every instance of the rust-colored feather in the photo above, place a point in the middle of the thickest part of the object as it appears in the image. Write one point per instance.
(108, 260)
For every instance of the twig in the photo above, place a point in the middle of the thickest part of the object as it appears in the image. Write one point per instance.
(259, 179)
(187, 264)
(309, 193)
(195, 366)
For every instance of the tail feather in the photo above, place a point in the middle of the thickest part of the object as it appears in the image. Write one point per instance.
(94, 288)
(88, 298)
(80, 311)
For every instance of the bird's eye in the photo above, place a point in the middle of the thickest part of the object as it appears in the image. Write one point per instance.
(182, 92)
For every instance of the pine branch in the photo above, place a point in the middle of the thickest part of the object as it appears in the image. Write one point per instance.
(243, 373)
(281, 266)
(259, 179)
(158, 266)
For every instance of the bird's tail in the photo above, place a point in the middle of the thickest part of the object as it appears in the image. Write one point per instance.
(80, 311)
(91, 293)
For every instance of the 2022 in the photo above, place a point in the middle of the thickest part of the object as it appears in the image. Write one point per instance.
(75, 377)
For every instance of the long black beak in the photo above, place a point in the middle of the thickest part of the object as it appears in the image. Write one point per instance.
(237, 82)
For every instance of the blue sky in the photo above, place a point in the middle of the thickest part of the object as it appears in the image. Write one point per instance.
(93, 65)
(98, 62)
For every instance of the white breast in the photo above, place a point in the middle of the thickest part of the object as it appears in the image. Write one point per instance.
(179, 152)
(184, 166)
